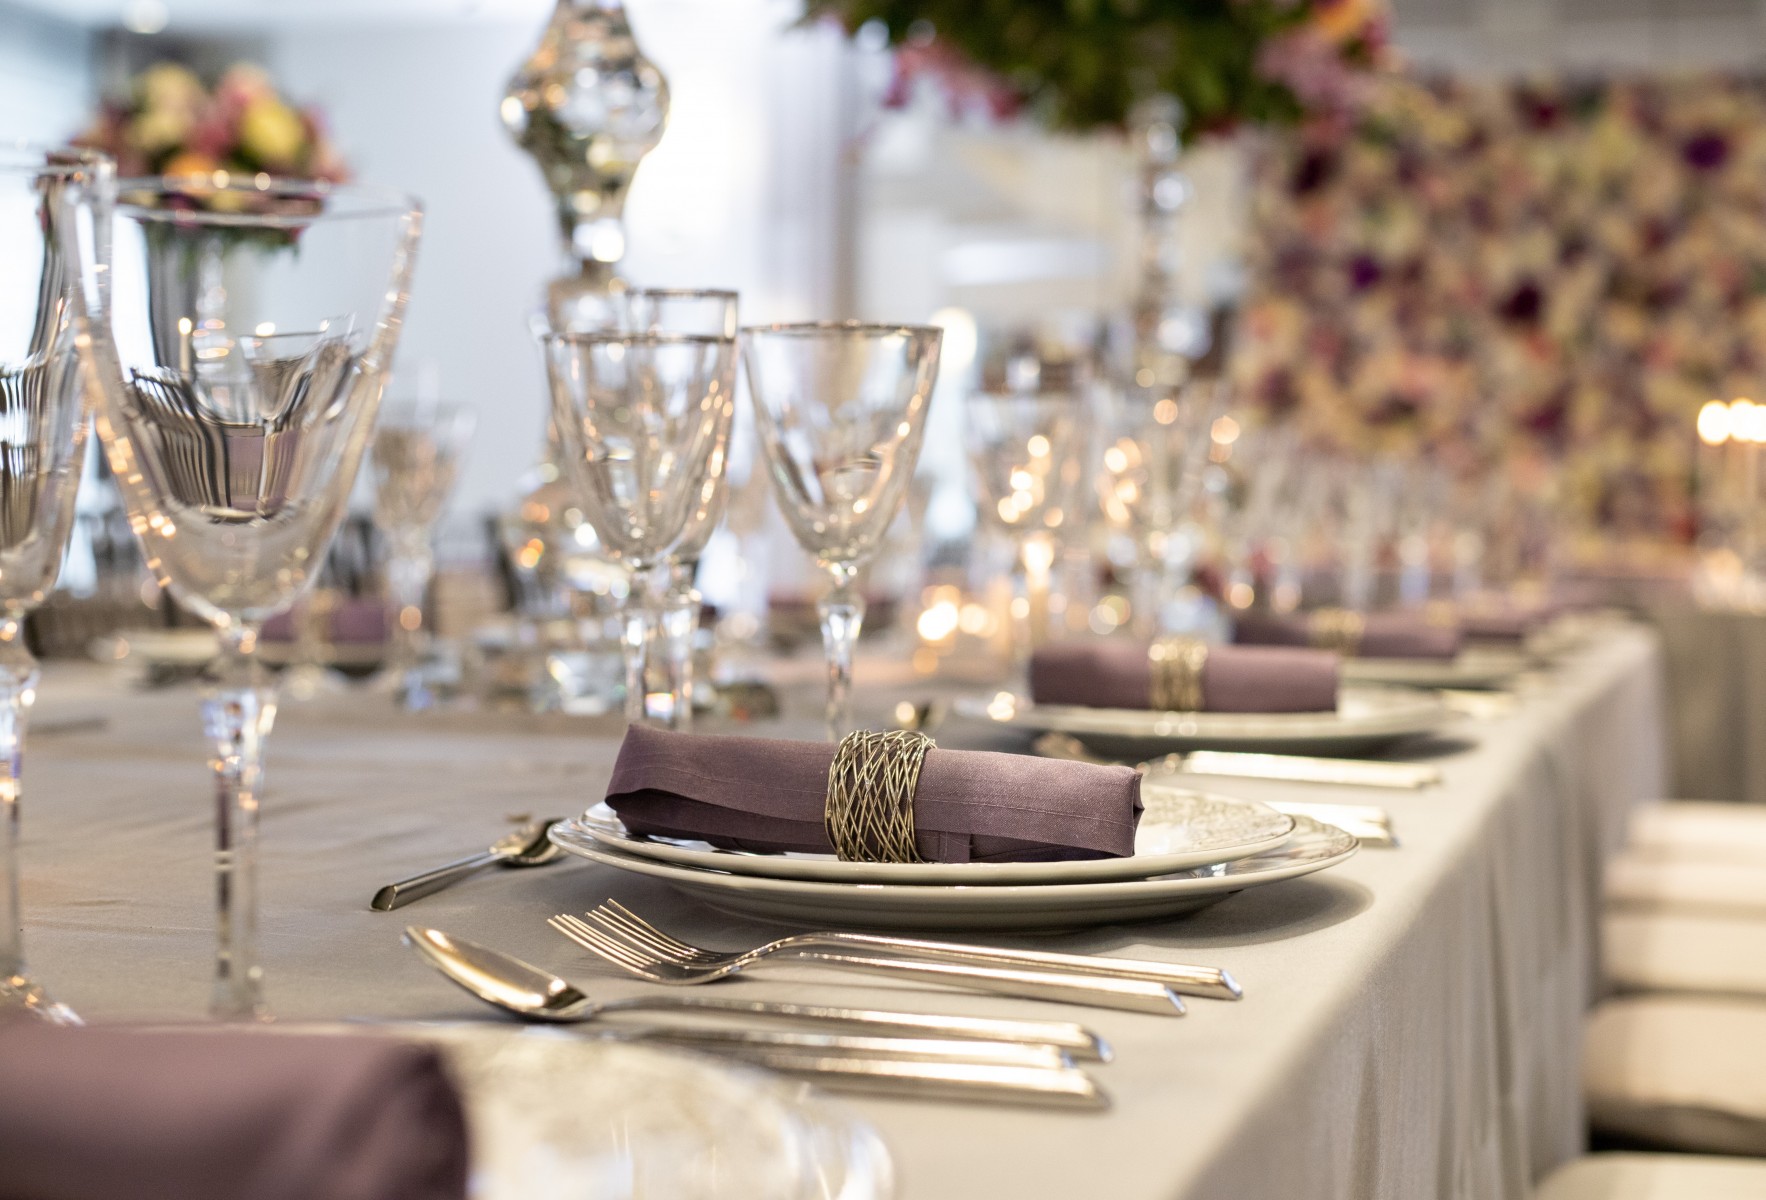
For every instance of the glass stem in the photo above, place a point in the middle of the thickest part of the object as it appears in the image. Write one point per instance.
(18, 690)
(407, 578)
(680, 625)
(238, 717)
(636, 623)
(843, 613)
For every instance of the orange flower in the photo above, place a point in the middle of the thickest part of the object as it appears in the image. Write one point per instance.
(1342, 20)
(189, 163)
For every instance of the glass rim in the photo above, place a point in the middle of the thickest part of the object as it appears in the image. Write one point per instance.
(610, 336)
(854, 328)
(681, 293)
(19, 157)
(380, 201)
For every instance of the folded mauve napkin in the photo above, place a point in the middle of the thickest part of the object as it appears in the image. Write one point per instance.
(354, 622)
(971, 806)
(1383, 635)
(1246, 679)
(217, 1115)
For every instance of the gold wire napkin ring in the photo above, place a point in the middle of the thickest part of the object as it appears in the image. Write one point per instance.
(1177, 664)
(871, 785)
(1336, 629)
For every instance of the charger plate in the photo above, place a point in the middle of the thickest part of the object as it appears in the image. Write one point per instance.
(1178, 830)
(1367, 719)
(1313, 846)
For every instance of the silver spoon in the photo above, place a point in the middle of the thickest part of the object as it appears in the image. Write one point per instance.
(525, 847)
(527, 991)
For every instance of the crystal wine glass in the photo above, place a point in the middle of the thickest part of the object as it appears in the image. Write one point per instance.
(414, 462)
(43, 410)
(240, 344)
(1026, 449)
(841, 409)
(644, 424)
(711, 313)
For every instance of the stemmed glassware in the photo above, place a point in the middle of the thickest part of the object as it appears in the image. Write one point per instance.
(710, 313)
(415, 462)
(240, 344)
(43, 411)
(841, 409)
(1026, 449)
(643, 421)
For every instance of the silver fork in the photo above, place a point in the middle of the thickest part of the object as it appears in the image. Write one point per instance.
(1209, 982)
(1131, 995)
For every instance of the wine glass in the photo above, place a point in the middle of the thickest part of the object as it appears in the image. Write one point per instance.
(841, 409)
(43, 410)
(711, 313)
(240, 343)
(1026, 450)
(1152, 475)
(643, 421)
(414, 462)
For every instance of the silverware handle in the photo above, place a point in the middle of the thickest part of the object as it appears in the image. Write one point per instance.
(1076, 1040)
(1210, 982)
(899, 1049)
(395, 895)
(970, 1083)
(1095, 991)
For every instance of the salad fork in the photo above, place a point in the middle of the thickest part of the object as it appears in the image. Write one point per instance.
(638, 938)
(1130, 995)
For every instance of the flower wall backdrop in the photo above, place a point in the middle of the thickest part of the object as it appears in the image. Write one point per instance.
(1518, 275)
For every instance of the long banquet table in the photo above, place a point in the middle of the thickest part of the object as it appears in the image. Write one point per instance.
(1410, 1025)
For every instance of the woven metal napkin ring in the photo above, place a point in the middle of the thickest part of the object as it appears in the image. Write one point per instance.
(1177, 664)
(1336, 629)
(871, 785)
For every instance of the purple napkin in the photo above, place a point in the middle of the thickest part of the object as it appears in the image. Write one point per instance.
(354, 622)
(1117, 674)
(1383, 635)
(972, 806)
(218, 1115)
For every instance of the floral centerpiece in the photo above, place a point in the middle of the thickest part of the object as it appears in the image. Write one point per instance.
(1084, 65)
(169, 123)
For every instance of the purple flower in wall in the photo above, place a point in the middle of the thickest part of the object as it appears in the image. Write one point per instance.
(1705, 151)
(1364, 272)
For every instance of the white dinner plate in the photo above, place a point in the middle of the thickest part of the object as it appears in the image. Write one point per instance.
(1178, 829)
(1367, 718)
(1313, 846)
(556, 1114)
(1473, 670)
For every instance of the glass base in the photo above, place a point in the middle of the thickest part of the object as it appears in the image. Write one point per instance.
(22, 994)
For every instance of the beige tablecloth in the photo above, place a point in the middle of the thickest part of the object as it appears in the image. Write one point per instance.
(1410, 1022)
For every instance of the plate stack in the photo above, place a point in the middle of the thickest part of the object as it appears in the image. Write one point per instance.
(1191, 850)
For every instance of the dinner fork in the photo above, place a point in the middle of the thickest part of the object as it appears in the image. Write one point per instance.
(621, 925)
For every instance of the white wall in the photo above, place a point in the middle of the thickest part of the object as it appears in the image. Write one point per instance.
(45, 76)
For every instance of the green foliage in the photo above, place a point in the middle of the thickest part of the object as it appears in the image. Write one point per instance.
(1080, 65)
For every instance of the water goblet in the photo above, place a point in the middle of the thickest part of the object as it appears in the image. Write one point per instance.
(643, 422)
(1026, 451)
(841, 410)
(240, 346)
(414, 462)
(43, 423)
(712, 313)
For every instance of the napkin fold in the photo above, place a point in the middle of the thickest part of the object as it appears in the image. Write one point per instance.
(971, 806)
(1247, 679)
(213, 1114)
(1383, 635)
